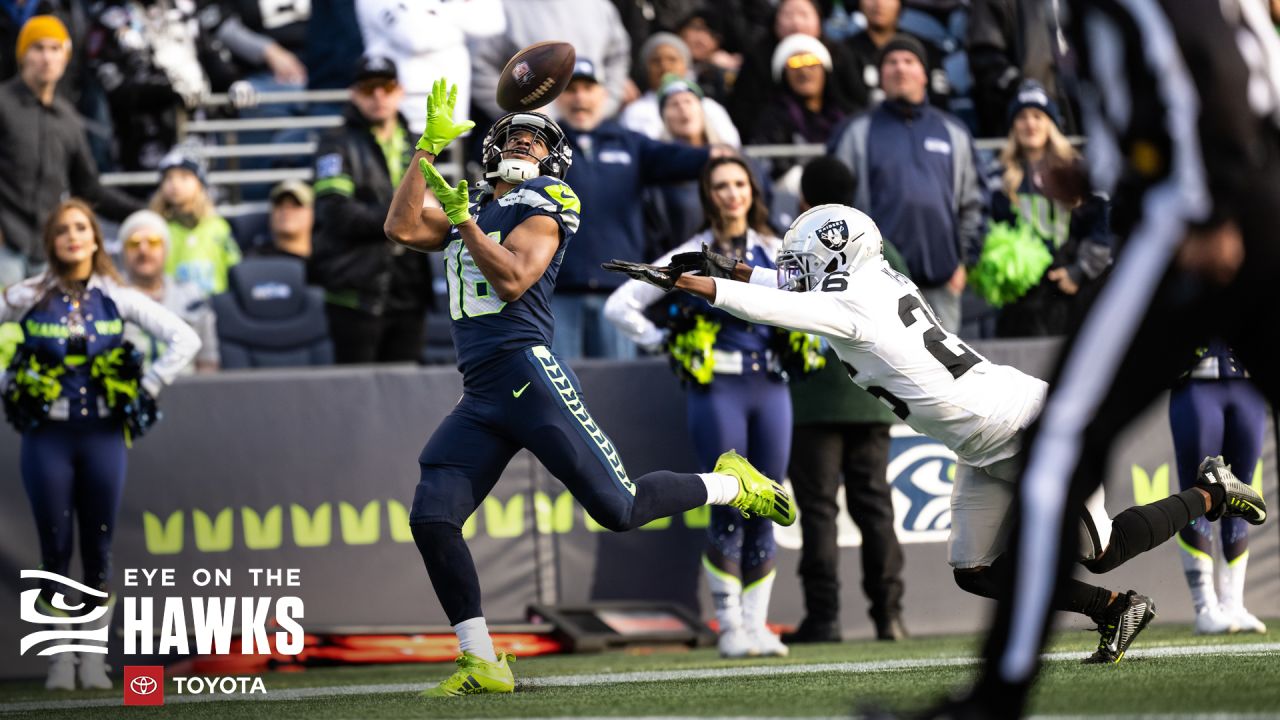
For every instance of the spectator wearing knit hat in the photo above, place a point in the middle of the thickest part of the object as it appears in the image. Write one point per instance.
(144, 236)
(882, 18)
(806, 107)
(927, 196)
(666, 54)
(202, 247)
(44, 154)
(754, 89)
(1007, 41)
(1075, 232)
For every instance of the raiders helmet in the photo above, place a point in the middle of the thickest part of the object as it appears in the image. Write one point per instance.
(824, 240)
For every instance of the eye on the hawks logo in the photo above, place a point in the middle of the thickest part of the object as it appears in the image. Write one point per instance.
(835, 234)
(522, 74)
(74, 627)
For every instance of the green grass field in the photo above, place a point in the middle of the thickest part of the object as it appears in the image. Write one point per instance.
(1169, 672)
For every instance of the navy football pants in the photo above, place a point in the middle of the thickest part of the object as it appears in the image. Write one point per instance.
(1217, 417)
(526, 400)
(73, 473)
(751, 414)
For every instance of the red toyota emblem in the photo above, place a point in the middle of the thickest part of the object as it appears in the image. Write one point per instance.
(143, 684)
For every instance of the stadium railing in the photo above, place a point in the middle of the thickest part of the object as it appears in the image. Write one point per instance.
(223, 135)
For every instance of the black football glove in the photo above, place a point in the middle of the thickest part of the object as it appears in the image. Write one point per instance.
(704, 262)
(662, 277)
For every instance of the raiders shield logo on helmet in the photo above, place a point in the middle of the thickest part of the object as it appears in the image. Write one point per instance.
(834, 234)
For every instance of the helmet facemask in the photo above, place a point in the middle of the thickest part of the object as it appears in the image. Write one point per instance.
(525, 166)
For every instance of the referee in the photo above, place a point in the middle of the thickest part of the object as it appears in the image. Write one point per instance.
(1181, 110)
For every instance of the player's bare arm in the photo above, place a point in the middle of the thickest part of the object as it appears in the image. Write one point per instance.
(703, 287)
(424, 229)
(515, 264)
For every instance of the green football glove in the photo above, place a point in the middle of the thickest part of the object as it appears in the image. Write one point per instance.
(455, 200)
(441, 129)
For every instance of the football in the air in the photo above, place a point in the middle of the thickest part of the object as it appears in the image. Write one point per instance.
(534, 76)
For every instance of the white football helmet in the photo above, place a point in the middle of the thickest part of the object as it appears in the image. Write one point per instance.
(824, 240)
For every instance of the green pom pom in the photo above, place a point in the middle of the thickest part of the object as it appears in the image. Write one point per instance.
(1013, 261)
(10, 339)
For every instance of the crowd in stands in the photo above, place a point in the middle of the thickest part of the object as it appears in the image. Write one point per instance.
(895, 89)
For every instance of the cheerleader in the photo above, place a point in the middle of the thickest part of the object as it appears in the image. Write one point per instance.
(737, 395)
(75, 393)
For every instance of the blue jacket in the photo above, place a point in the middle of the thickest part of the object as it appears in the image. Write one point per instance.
(917, 177)
(611, 165)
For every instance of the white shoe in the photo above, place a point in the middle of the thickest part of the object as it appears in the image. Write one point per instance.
(62, 672)
(1245, 621)
(1212, 620)
(735, 643)
(93, 672)
(767, 644)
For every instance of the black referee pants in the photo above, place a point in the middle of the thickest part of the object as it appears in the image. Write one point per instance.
(1138, 337)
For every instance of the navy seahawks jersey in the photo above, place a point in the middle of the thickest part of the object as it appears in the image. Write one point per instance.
(484, 327)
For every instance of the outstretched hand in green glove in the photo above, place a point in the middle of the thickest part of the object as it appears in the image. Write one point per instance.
(454, 199)
(441, 129)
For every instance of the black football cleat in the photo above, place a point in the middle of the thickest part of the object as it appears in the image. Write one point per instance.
(1240, 499)
(1119, 624)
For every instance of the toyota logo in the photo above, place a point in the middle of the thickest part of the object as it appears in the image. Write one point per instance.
(143, 685)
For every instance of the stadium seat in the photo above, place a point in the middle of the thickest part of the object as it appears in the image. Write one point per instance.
(269, 317)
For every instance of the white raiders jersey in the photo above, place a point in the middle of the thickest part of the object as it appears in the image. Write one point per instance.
(893, 347)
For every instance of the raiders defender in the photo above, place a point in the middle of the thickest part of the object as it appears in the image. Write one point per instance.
(893, 347)
(503, 246)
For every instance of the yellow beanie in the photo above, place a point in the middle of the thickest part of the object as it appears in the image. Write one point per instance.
(41, 27)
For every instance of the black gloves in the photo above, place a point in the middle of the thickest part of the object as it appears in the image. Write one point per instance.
(706, 262)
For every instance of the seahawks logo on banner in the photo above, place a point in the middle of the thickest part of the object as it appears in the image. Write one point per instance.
(834, 234)
(921, 473)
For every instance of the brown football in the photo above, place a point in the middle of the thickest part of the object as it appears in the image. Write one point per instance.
(534, 76)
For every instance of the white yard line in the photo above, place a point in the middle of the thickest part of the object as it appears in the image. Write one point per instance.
(670, 675)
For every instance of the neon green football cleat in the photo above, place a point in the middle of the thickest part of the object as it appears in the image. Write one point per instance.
(759, 496)
(475, 675)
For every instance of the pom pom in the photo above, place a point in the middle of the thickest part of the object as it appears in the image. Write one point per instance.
(1013, 261)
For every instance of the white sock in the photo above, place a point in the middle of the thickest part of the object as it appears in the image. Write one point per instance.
(755, 601)
(1231, 582)
(473, 637)
(1198, 568)
(721, 488)
(726, 593)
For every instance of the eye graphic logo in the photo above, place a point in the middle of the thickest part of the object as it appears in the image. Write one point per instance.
(834, 234)
(72, 632)
(143, 684)
(921, 474)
